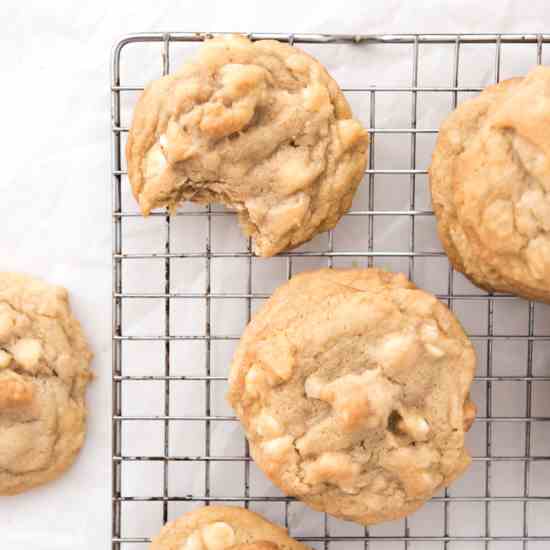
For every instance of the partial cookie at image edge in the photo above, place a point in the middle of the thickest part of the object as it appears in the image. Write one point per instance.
(44, 371)
(223, 528)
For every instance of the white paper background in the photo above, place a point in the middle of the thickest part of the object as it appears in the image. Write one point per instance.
(55, 212)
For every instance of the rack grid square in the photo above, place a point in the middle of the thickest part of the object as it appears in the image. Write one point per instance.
(172, 453)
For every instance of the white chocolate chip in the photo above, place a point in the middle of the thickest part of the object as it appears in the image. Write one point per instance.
(410, 458)
(163, 141)
(421, 483)
(397, 351)
(334, 468)
(313, 387)
(193, 542)
(277, 448)
(5, 359)
(414, 425)
(255, 381)
(27, 352)
(434, 351)
(361, 400)
(315, 98)
(154, 162)
(429, 332)
(218, 536)
(276, 356)
(267, 426)
(414, 467)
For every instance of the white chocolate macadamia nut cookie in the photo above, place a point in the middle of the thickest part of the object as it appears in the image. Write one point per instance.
(44, 370)
(353, 389)
(258, 126)
(490, 183)
(223, 528)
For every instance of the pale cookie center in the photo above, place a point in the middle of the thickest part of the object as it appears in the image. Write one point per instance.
(214, 536)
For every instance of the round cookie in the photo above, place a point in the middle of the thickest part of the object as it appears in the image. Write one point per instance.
(490, 184)
(353, 388)
(223, 528)
(258, 126)
(44, 370)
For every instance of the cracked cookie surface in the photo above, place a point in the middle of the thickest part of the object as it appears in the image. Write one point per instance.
(223, 528)
(44, 370)
(353, 388)
(258, 126)
(490, 184)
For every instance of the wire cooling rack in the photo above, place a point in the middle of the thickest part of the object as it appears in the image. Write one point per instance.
(184, 287)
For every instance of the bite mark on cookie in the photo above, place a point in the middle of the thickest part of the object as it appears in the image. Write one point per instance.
(258, 126)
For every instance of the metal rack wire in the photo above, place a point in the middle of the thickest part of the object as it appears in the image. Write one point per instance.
(531, 463)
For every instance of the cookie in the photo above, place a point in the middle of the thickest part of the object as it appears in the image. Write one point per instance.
(353, 388)
(44, 370)
(490, 184)
(258, 126)
(223, 528)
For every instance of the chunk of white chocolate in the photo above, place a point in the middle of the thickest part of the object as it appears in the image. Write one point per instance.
(411, 458)
(412, 466)
(432, 339)
(429, 333)
(313, 387)
(256, 381)
(434, 351)
(276, 356)
(421, 483)
(193, 542)
(279, 447)
(398, 351)
(267, 426)
(27, 353)
(414, 425)
(334, 468)
(360, 400)
(218, 536)
(154, 162)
